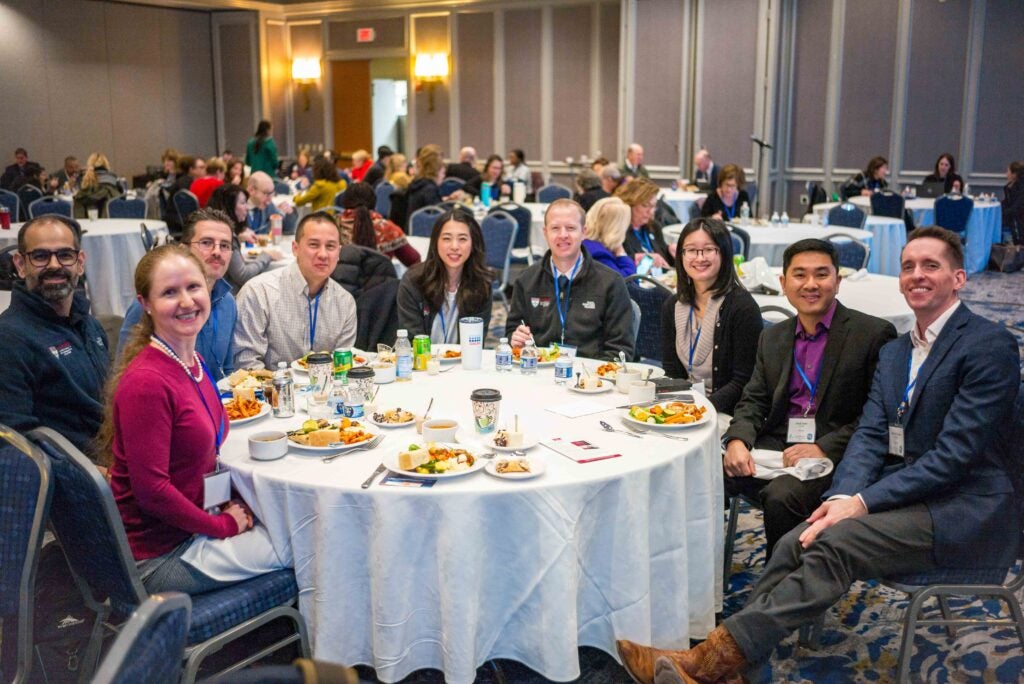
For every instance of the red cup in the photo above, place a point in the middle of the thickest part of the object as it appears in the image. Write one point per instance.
(5, 218)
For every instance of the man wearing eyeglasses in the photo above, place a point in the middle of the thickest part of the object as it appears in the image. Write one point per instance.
(261, 191)
(208, 234)
(55, 354)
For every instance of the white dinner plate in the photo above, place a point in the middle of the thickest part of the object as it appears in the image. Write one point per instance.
(369, 419)
(391, 463)
(331, 448)
(299, 368)
(264, 411)
(630, 420)
(642, 368)
(529, 441)
(537, 469)
(439, 349)
(607, 385)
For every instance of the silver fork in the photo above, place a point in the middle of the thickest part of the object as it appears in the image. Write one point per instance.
(361, 447)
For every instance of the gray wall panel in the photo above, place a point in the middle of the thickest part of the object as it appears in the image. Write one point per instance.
(570, 127)
(810, 76)
(431, 35)
(936, 81)
(609, 58)
(522, 81)
(865, 100)
(1000, 138)
(236, 67)
(475, 66)
(278, 82)
(657, 88)
(307, 42)
(187, 82)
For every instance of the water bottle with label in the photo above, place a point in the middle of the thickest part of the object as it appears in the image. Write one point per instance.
(528, 358)
(784, 219)
(403, 357)
(745, 214)
(503, 356)
(775, 218)
(563, 369)
(336, 400)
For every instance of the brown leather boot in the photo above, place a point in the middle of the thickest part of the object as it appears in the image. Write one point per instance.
(639, 660)
(717, 659)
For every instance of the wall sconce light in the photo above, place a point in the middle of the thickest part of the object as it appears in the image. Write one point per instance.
(305, 72)
(430, 69)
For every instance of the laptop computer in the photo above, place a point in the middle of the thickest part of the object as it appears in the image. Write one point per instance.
(935, 189)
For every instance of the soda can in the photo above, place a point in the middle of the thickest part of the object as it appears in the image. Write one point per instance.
(342, 360)
(420, 352)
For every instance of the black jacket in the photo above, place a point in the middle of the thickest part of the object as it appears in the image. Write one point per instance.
(858, 182)
(735, 346)
(714, 204)
(633, 246)
(414, 312)
(422, 192)
(374, 175)
(15, 176)
(360, 268)
(589, 198)
(600, 313)
(463, 170)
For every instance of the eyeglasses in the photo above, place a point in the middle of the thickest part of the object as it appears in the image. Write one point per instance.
(41, 257)
(207, 245)
(694, 253)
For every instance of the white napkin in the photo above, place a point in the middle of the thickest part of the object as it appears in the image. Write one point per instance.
(768, 466)
(861, 274)
(577, 409)
(757, 272)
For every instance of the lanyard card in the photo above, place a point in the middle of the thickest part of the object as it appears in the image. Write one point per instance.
(896, 440)
(801, 430)
(216, 489)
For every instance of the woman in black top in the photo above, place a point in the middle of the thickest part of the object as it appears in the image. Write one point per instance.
(710, 294)
(869, 180)
(727, 199)
(1013, 201)
(424, 190)
(493, 170)
(643, 237)
(945, 172)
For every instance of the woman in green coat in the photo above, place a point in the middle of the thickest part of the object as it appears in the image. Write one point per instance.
(261, 152)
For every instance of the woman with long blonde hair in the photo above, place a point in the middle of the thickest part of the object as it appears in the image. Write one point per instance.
(98, 185)
(607, 222)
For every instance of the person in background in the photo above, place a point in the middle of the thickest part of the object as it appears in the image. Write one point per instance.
(599, 164)
(493, 169)
(611, 178)
(945, 172)
(465, 168)
(227, 156)
(169, 164)
(424, 190)
(516, 171)
(606, 225)
(868, 181)
(725, 202)
(261, 151)
(325, 186)
(634, 167)
(396, 171)
(68, 180)
(301, 171)
(376, 173)
(644, 236)
(236, 172)
(1013, 201)
(365, 227)
(56, 355)
(22, 171)
(189, 170)
(360, 165)
(452, 282)
(234, 202)
(705, 171)
(98, 186)
(261, 206)
(710, 300)
(590, 190)
(203, 187)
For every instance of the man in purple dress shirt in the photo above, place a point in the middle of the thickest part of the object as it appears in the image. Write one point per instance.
(810, 382)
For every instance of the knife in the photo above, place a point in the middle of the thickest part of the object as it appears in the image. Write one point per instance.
(685, 398)
(380, 469)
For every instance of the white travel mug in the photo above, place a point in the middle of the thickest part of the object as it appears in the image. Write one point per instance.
(471, 337)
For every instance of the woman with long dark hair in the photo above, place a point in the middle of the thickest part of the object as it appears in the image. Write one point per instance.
(452, 282)
(868, 181)
(709, 331)
(945, 172)
(234, 201)
(725, 201)
(366, 227)
(261, 151)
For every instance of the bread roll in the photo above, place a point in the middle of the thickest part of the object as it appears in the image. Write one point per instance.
(410, 460)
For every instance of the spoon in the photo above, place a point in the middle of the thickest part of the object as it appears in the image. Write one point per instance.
(426, 414)
(579, 377)
(648, 378)
(609, 428)
(622, 359)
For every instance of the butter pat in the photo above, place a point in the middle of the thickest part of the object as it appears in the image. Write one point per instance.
(515, 439)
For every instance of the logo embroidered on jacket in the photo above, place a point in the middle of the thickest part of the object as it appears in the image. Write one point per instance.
(62, 349)
(540, 301)
(589, 305)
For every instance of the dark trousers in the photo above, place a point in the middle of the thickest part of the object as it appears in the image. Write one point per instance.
(786, 501)
(799, 584)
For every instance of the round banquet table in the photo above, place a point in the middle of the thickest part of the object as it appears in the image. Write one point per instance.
(888, 235)
(476, 567)
(681, 202)
(113, 247)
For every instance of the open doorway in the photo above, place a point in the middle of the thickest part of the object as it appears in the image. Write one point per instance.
(390, 97)
(370, 104)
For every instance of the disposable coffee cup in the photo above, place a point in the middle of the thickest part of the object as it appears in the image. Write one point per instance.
(486, 405)
(93, 214)
(471, 338)
(518, 193)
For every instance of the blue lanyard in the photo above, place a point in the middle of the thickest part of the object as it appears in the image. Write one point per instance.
(803, 376)
(645, 239)
(905, 404)
(730, 212)
(444, 327)
(314, 313)
(564, 314)
(220, 428)
(693, 342)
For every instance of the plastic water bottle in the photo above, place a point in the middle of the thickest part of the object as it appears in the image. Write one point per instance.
(528, 358)
(563, 369)
(745, 214)
(403, 354)
(775, 218)
(503, 356)
(338, 394)
(785, 219)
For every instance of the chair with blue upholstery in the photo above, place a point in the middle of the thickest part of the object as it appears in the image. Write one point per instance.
(847, 215)
(338, 198)
(853, 253)
(88, 526)
(383, 192)
(27, 194)
(124, 208)
(499, 231)
(772, 314)
(281, 188)
(185, 203)
(552, 191)
(25, 490)
(148, 242)
(952, 212)
(524, 218)
(13, 204)
(151, 644)
(649, 294)
(49, 205)
(740, 241)
(887, 203)
(421, 222)
(450, 185)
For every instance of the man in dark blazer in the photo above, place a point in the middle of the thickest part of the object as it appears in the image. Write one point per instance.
(927, 480)
(705, 171)
(838, 349)
(633, 166)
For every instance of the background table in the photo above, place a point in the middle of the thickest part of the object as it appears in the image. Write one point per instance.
(888, 235)
(476, 568)
(112, 249)
(681, 201)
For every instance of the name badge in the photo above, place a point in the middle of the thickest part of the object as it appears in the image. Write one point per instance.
(801, 430)
(896, 440)
(216, 489)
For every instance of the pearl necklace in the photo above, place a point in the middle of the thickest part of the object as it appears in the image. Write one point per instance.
(170, 352)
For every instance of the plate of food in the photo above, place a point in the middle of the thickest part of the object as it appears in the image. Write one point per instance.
(392, 418)
(611, 369)
(244, 379)
(593, 384)
(546, 356)
(434, 460)
(515, 467)
(447, 353)
(242, 410)
(320, 436)
(510, 440)
(671, 415)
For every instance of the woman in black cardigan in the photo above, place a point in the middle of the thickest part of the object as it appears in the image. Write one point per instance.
(945, 172)
(710, 294)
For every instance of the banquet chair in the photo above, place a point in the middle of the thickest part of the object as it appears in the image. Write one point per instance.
(185, 203)
(88, 526)
(421, 222)
(49, 205)
(338, 197)
(123, 208)
(952, 212)
(8, 273)
(751, 188)
(499, 231)
(635, 328)
(151, 644)
(853, 253)
(282, 188)
(524, 218)
(27, 194)
(552, 191)
(649, 294)
(450, 185)
(740, 241)
(846, 215)
(815, 195)
(887, 203)
(25, 490)
(13, 204)
(148, 242)
(448, 205)
(775, 312)
(383, 192)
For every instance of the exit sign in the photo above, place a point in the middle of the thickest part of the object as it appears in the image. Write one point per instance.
(365, 35)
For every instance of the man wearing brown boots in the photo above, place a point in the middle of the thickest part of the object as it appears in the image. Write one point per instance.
(926, 481)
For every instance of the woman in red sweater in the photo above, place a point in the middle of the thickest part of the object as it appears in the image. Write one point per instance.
(162, 431)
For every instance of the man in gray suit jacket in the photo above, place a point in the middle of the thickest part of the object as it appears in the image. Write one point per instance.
(925, 483)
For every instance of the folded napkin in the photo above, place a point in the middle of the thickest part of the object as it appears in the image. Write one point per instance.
(860, 274)
(768, 466)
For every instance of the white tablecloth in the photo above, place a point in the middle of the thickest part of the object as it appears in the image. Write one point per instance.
(476, 568)
(681, 201)
(112, 248)
(5, 300)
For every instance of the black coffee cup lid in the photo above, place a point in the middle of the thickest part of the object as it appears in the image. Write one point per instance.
(319, 357)
(485, 395)
(360, 373)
